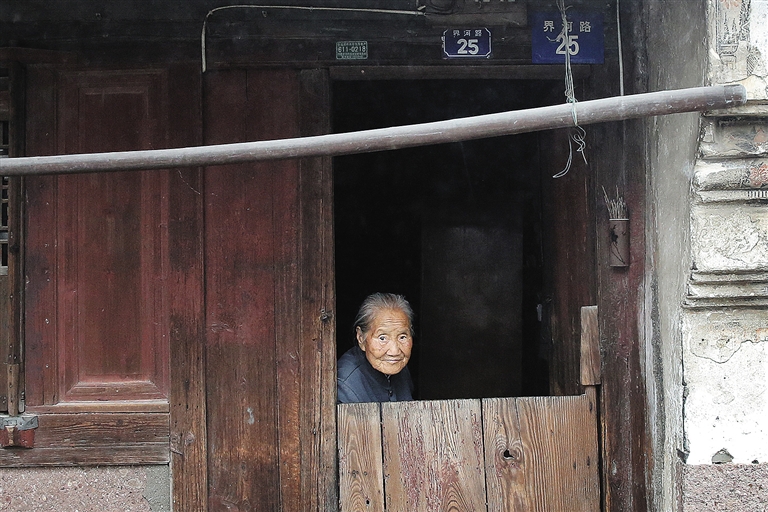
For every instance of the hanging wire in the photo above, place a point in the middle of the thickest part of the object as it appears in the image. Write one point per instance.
(578, 134)
(204, 59)
(618, 41)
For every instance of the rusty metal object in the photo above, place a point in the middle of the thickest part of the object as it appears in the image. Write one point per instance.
(18, 431)
(490, 125)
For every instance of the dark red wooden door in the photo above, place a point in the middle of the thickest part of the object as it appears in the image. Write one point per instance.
(183, 315)
(269, 377)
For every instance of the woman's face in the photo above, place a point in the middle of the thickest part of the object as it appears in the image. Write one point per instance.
(388, 342)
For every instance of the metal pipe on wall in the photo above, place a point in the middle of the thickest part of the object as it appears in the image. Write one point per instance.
(454, 130)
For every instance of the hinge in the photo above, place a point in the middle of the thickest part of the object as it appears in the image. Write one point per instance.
(12, 378)
(18, 431)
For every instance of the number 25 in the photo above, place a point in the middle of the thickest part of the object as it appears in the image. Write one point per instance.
(468, 46)
(573, 45)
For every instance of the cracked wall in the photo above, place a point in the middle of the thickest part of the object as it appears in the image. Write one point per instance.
(724, 315)
(726, 365)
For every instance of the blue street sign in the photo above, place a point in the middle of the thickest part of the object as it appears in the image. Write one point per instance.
(467, 42)
(584, 41)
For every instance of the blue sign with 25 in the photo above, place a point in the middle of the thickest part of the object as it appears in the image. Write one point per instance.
(474, 42)
(584, 40)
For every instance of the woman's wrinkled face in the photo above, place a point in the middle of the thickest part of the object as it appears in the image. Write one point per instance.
(388, 342)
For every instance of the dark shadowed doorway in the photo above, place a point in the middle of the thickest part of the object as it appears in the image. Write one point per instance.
(456, 228)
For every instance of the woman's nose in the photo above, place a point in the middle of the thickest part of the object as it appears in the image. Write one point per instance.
(393, 349)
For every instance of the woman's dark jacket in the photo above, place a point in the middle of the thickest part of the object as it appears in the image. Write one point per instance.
(358, 381)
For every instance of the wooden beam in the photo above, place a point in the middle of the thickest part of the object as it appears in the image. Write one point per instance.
(477, 72)
(469, 128)
(590, 347)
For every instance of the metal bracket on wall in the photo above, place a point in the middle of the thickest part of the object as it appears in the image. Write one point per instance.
(18, 431)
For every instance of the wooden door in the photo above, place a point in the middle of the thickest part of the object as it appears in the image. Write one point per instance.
(183, 316)
(103, 267)
(495, 454)
(269, 350)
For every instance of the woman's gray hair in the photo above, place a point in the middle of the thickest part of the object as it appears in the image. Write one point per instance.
(377, 302)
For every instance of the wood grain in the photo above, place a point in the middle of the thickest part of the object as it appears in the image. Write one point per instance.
(506, 462)
(188, 437)
(433, 456)
(569, 277)
(590, 347)
(95, 438)
(40, 247)
(361, 479)
(280, 119)
(319, 479)
(241, 367)
(541, 453)
(112, 317)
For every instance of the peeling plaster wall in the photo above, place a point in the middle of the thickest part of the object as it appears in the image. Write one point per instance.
(725, 321)
(706, 312)
(725, 308)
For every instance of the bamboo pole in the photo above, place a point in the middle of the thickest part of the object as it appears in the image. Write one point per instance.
(490, 125)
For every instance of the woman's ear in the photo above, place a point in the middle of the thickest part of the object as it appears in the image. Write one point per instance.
(360, 338)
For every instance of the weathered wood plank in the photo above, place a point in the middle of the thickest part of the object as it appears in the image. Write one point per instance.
(40, 290)
(433, 456)
(113, 455)
(590, 347)
(541, 453)
(243, 459)
(319, 485)
(187, 319)
(279, 118)
(112, 406)
(568, 256)
(361, 478)
(95, 438)
(505, 459)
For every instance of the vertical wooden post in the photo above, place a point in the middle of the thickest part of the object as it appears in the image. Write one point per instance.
(188, 428)
(590, 347)
(13, 389)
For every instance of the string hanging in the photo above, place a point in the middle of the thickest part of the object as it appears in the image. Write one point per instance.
(578, 134)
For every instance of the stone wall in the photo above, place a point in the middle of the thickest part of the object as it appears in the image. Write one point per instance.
(725, 312)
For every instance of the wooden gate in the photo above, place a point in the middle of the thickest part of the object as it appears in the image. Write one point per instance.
(495, 454)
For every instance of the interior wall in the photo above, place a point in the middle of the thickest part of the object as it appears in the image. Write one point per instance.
(676, 55)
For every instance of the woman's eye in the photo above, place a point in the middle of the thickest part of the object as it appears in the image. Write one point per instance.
(382, 338)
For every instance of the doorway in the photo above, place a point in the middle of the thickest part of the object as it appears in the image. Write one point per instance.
(456, 228)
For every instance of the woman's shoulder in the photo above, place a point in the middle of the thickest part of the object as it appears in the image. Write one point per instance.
(349, 363)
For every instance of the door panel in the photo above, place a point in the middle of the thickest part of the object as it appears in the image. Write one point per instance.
(111, 262)
(96, 299)
(260, 377)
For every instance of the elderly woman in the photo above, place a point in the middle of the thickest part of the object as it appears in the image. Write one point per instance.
(374, 369)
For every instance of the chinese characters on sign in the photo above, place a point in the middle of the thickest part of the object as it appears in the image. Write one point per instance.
(474, 42)
(583, 41)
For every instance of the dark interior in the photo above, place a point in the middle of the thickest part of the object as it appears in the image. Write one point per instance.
(456, 228)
